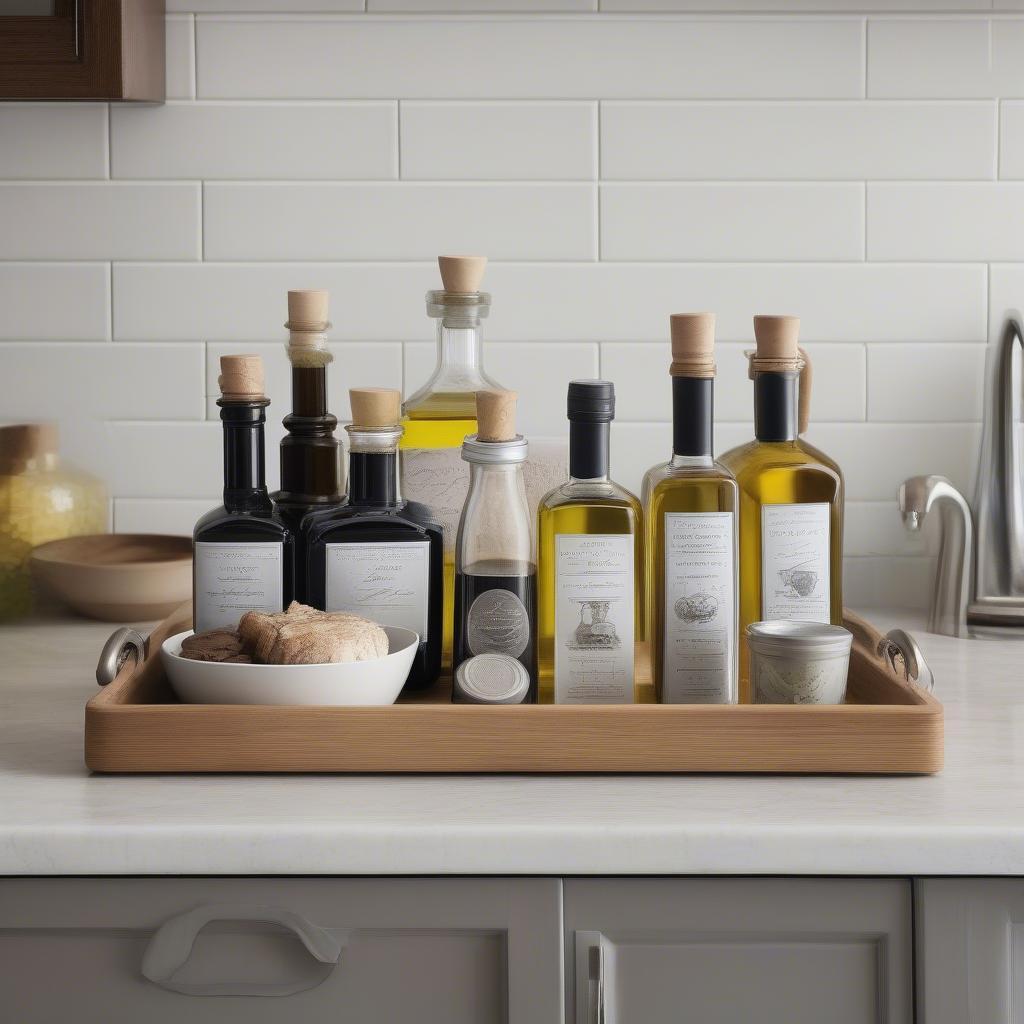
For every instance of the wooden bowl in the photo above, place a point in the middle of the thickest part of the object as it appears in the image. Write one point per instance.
(117, 577)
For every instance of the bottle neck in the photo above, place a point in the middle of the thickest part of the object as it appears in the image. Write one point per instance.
(588, 450)
(459, 349)
(775, 413)
(373, 477)
(245, 485)
(309, 391)
(310, 462)
(693, 401)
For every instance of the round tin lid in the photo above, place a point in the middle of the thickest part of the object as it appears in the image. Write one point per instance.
(792, 636)
(492, 679)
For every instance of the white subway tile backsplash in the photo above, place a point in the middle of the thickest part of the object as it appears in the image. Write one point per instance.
(875, 528)
(876, 457)
(957, 58)
(401, 221)
(643, 389)
(176, 516)
(886, 582)
(53, 140)
(377, 365)
(499, 141)
(558, 301)
(776, 221)
(1006, 295)
(798, 140)
(54, 302)
(548, 58)
(181, 57)
(925, 383)
(99, 220)
(1011, 139)
(254, 140)
(78, 381)
(946, 221)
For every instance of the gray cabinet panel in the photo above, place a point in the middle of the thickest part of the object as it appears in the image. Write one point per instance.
(457, 951)
(719, 951)
(970, 950)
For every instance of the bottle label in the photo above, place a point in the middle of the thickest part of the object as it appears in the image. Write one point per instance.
(594, 617)
(386, 583)
(699, 656)
(439, 479)
(795, 562)
(498, 622)
(232, 579)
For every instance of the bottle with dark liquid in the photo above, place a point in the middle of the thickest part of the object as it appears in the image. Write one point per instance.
(378, 555)
(243, 552)
(310, 453)
(495, 575)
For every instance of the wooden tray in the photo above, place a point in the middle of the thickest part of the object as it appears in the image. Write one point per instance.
(888, 726)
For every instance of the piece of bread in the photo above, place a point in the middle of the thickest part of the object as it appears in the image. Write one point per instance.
(306, 636)
(214, 645)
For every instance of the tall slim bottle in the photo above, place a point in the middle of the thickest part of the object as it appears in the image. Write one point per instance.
(442, 413)
(692, 521)
(243, 551)
(495, 577)
(379, 555)
(791, 506)
(590, 557)
(310, 453)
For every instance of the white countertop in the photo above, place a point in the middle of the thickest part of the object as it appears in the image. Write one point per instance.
(57, 819)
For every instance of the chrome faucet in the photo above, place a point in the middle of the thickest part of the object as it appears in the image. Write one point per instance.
(998, 600)
(951, 593)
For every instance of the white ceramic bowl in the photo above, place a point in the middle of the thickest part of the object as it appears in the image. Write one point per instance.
(352, 683)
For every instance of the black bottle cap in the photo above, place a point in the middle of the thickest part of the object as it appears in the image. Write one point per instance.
(591, 401)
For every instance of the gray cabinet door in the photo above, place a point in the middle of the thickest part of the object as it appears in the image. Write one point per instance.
(730, 951)
(450, 951)
(970, 950)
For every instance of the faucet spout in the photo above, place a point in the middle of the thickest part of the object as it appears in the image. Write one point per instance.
(918, 497)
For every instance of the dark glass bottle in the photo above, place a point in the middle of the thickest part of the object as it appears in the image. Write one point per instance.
(243, 550)
(380, 556)
(495, 573)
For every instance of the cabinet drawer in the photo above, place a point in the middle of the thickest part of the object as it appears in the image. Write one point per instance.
(457, 951)
(798, 951)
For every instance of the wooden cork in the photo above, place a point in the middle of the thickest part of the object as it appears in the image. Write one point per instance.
(241, 376)
(496, 415)
(693, 344)
(777, 349)
(375, 407)
(462, 273)
(307, 310)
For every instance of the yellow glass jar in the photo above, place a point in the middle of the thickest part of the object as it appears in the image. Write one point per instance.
(40, 500)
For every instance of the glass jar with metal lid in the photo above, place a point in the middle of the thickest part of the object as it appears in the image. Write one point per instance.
(796, 662)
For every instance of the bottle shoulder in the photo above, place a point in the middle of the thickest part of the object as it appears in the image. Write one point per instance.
(409, 518)
(759, 457)
(220, 525)
(609, 494)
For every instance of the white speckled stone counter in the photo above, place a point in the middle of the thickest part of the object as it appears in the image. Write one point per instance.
(56, 819)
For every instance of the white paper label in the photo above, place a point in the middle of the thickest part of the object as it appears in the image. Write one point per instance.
(594, 616)
(232, 579)
(439, 479)
(795, 581)
(700, 608)
(387, 583)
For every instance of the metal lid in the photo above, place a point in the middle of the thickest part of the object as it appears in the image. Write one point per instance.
(495, 452)
(795, 637)
(591, 401)
(492, 679)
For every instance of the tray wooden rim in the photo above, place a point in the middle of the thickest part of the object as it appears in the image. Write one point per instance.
(901, 736)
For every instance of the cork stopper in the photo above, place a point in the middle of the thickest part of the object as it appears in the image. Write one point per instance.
(307, 310)
(496, 415)
(777, 349)
(375, 407)
(241, 377)
(22, 442)
(462, 273)
(693, 344)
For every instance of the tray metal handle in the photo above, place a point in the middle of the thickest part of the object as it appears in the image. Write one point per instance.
(171, 946)
(903, 655)
(124, 643)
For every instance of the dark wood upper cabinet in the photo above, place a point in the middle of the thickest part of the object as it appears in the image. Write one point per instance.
(82, 50)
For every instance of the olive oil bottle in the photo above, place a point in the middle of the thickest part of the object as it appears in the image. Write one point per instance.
(440, 415)
(692, 518)
(590, 567)
(791, 503)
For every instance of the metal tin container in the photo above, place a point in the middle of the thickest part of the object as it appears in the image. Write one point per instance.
(491, 679)
(793, 662)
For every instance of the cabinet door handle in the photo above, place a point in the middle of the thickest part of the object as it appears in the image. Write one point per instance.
(591, 995)
(171, 946)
